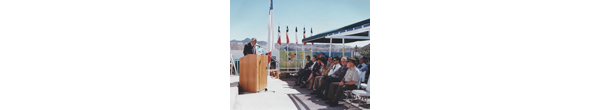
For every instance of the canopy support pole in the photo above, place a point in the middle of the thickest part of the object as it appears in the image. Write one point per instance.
(343, 47)
(330, 41)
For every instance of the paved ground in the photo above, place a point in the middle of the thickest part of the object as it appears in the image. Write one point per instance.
(282, 95)
(233, 90)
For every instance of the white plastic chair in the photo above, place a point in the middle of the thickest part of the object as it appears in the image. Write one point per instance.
(363, 95)
(362, 79)
(361, 86)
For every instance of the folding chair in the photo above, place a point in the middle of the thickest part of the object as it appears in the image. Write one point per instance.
(363, 95)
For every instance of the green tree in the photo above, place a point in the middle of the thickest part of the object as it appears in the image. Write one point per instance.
(365, 51)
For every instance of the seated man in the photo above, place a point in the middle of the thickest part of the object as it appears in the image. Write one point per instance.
(350, 82)
(363, 67)
(328, 60)
(330, 71)
(306, 71)
(323, 90)
(368, 71)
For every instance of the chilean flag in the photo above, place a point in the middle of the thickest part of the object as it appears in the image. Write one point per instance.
(313, 43)
(286, 35)
(296, 35)
(279, 39)
(304, 35)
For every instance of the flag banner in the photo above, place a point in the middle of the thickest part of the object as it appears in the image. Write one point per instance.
(271, 8)
(296, 35)
(304, 34)
(286, 35)
(313, 43)
(279, 39)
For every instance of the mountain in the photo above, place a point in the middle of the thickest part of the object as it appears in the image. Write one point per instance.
(262, 42)
(239, 45)
(248, 40)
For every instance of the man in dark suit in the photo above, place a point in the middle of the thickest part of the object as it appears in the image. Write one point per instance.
(249, 48)
(315, 71)
(302, 73)
(310, 62)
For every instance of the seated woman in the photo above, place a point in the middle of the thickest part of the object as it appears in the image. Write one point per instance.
(334, 66)
(315, 72)
(324, 70)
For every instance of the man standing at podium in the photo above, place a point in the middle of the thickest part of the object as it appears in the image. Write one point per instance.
(249, 48)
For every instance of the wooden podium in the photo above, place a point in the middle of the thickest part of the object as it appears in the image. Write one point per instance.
(253, 72)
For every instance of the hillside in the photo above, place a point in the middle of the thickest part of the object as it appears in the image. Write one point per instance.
(239, 45)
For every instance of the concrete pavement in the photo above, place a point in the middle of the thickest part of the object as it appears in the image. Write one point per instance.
(282, 95)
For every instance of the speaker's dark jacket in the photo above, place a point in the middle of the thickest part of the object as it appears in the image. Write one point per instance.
(248, 49)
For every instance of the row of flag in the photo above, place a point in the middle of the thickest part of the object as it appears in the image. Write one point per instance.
(288, 39)
(272, 32)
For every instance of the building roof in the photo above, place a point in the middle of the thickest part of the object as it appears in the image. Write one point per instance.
(358, 31)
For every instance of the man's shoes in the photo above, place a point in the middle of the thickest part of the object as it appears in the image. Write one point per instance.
(297, 84)
(333, 104)
(320, 96)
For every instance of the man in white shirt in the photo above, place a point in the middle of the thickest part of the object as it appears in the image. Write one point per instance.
(350, 82)
(336, 61)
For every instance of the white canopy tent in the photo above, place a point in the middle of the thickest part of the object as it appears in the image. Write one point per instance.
(358, 31)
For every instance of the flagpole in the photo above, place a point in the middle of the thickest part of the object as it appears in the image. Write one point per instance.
(278, 42)
(269, 40)
(303, 52)
(286, 54)
(269, 36)
(296, 48)
(286, 46)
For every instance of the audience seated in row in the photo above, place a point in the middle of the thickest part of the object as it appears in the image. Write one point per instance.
(330, 77)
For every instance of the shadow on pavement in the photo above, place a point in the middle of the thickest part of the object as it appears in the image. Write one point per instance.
(316, 102)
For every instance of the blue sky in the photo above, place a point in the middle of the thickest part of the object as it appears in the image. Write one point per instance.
(249, 18)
